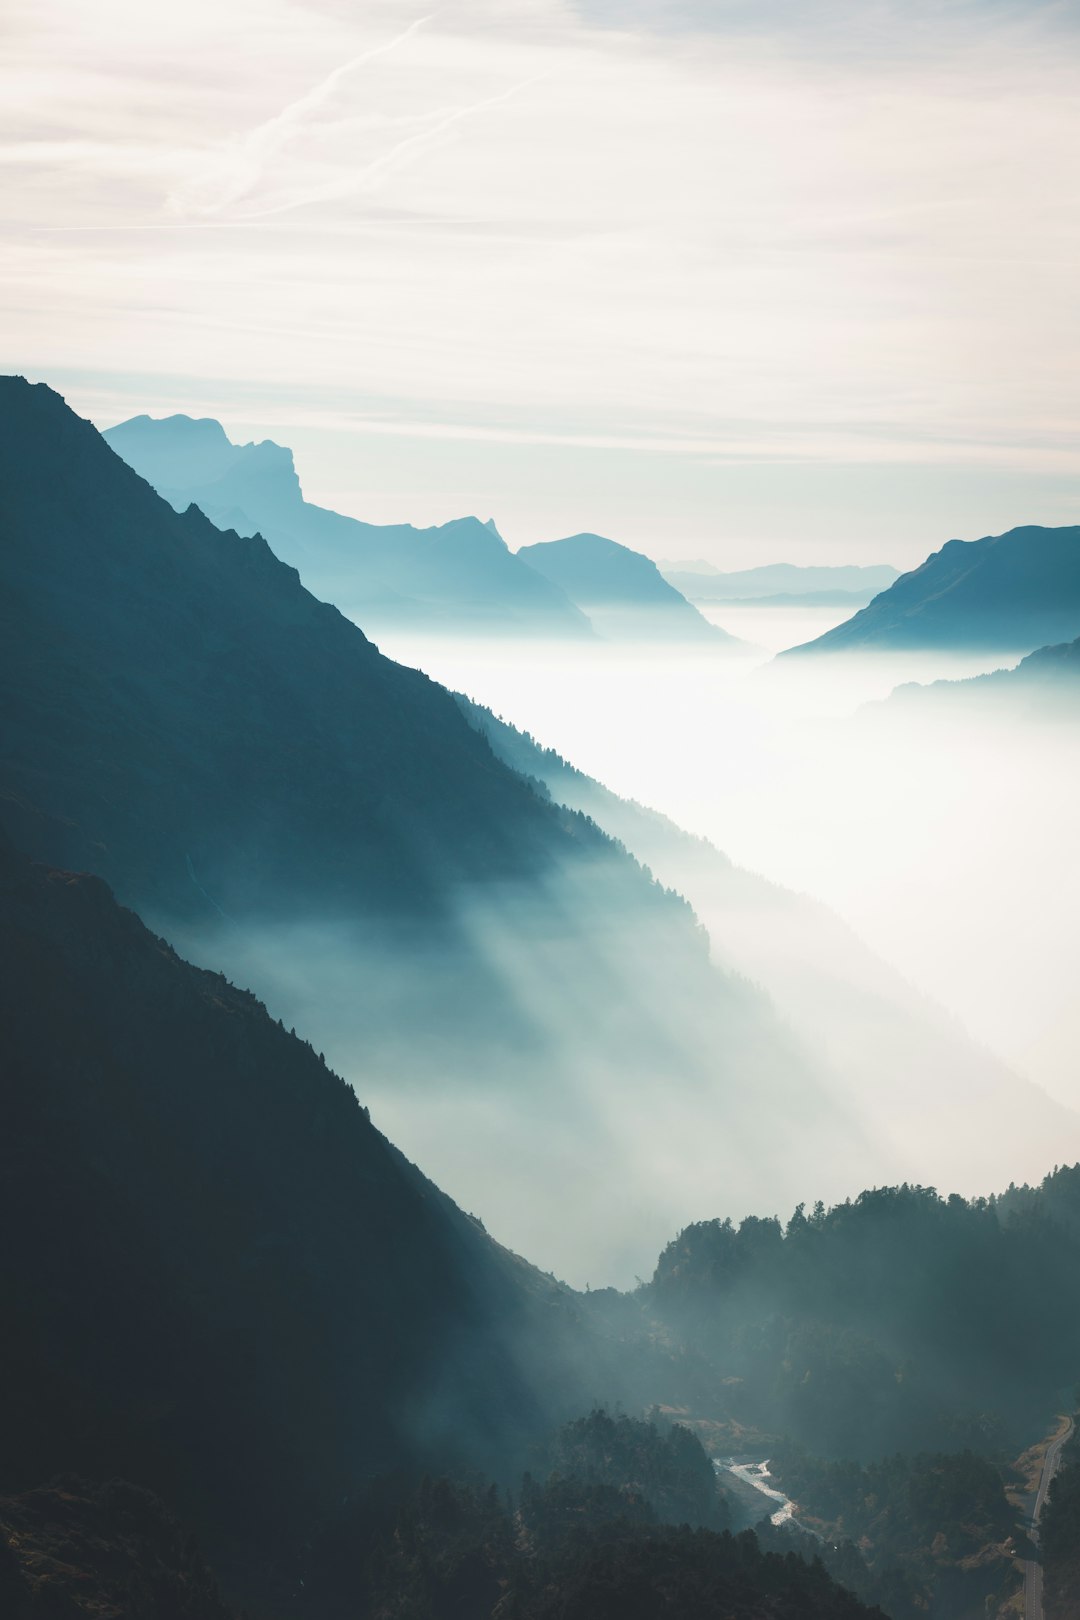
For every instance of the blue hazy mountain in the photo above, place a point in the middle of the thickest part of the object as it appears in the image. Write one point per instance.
(781, 583)
(457, 576)
(1044, 686)
(1010, 592)
(281, 801)
(623, 592)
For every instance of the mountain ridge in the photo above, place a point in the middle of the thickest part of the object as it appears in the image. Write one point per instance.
(1014, 591)
(456, 575)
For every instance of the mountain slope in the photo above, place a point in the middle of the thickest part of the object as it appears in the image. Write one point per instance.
(907, 1070)
(623, 592)
(1044, 686)
(1009, 592)
(284, 803)
(228, 1287)
(459, 576)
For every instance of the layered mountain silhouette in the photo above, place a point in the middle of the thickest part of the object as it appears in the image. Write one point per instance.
(780, 583)
(284, 803)
(457, 576)
(622, 592)
(905, 1066)
(1010, 592)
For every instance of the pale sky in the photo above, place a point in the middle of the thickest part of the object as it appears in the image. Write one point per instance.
(746, 281)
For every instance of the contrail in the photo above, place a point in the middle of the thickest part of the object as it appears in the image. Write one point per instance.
(358, 178)
(247, 159)
(315, 97)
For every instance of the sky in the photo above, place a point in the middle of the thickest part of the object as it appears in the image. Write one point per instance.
(749, 282)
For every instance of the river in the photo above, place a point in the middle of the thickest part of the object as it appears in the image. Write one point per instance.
(756, 1475)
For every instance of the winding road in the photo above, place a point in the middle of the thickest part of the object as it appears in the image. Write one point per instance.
(1033, 1574)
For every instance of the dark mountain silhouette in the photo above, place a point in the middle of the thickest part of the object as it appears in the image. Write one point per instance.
(781, 583)
(568, 1549)
(929, 1078)
(228, 1286)
(1009, 592)
(281, 801)
(623, 592)
(457, 576)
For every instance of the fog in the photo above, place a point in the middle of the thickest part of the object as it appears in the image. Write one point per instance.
(566, 1064)
(564, 1059)
(945, 841)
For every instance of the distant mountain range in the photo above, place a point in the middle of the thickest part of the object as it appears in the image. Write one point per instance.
(1010, 592)
(623, 592)
(780, 583)
(458, 576)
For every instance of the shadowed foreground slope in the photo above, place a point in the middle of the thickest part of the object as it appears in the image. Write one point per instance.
(228, 1286)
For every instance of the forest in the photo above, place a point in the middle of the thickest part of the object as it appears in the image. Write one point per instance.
(892, 1321)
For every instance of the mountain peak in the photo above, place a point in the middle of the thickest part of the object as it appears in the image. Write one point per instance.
(622, 590)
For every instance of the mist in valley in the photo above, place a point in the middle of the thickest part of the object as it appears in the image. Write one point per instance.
(886, 892)
(942, 835)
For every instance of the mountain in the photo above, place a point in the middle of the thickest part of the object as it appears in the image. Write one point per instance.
(459, 576)
(285, 804)
(781, 582)
(871, 1353)
(229, 1287)
(1044, 686)
(908, 1071)
(230, 1293)
(623, 592)
(1009, 592)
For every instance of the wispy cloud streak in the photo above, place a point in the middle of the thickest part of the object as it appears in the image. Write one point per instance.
(240, 168)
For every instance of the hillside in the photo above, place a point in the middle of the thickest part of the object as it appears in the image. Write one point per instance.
(883, 1324)
(623, 592)
(285, 804)
(1009, 592)
(229, 1287)
(459, 576)
(1043, 686)
(74, 1548)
